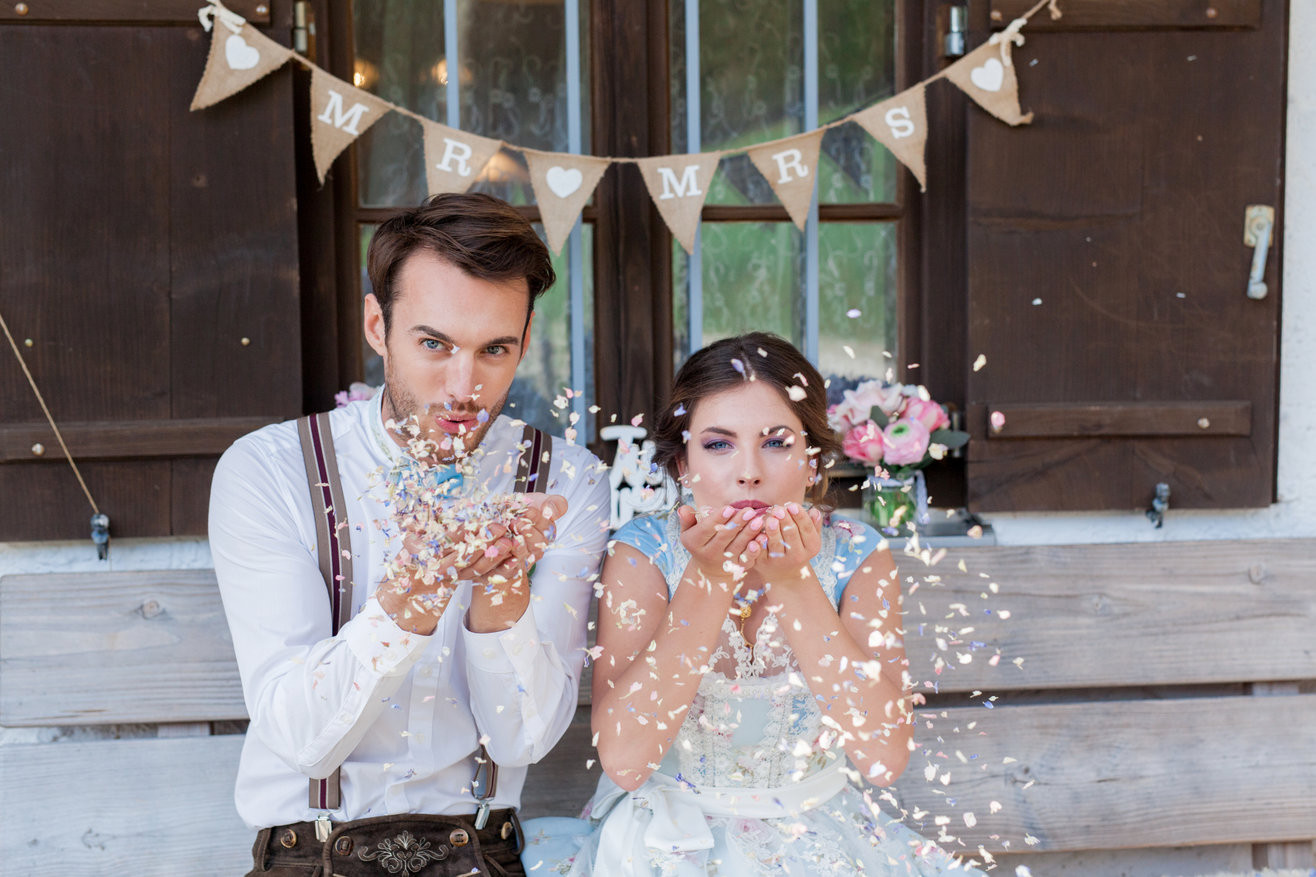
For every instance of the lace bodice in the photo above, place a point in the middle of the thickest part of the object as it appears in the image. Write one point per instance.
(754, 722)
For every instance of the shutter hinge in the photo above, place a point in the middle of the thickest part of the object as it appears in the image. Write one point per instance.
(303, 29)
(953, 44)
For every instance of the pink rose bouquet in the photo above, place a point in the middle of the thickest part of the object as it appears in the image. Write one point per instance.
(894, 429)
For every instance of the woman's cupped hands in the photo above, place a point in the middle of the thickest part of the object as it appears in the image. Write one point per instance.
(776, 542)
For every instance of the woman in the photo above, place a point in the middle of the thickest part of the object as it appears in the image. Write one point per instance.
(748, 648)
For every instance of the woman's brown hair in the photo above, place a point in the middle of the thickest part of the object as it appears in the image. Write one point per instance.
(722, 365)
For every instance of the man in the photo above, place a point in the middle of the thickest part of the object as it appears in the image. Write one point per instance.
(457, 650)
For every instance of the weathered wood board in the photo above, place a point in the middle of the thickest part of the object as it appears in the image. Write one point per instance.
(1079, 617)
(150, 808)
(1123, 774)
(1088, 616)
(105, 648)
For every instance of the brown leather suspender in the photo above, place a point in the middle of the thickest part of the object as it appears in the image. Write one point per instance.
(335, 557)
(330, 513)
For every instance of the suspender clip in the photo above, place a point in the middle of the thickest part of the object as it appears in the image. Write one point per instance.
(323, 827)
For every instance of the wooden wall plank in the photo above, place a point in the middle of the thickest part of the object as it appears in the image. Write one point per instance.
(126, 11)
(130, 439)
(1121, 418)
(1084, 616)
(150, 808)
(1122, 774)
(1139, 14)
(89, 649)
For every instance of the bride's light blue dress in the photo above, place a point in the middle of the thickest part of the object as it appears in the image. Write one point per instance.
(755, 782)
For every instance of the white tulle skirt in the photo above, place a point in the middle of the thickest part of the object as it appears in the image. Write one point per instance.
(820, 826)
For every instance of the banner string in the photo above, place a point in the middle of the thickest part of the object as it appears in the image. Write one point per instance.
(1006, 37)
(50, 419)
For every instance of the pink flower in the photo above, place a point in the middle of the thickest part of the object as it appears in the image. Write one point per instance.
(357, 392)
(864, 444)
(906, 442)
(856, 405)
(926, 412)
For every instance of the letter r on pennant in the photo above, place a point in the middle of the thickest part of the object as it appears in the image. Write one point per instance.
(788, 160)
(346, 121)
(674, 188)
(455, 150)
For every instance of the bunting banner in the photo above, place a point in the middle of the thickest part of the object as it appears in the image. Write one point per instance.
(678, 185)
(563, 182)
(237, 59)
(790, 166)
(340, 113)
(901, 125)
(987, 75)
(453, 158)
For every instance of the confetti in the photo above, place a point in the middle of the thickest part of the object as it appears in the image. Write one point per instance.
(854, 313)
(979, 362)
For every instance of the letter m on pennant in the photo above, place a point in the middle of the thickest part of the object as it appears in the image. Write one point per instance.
(344, 121)
(688, 184)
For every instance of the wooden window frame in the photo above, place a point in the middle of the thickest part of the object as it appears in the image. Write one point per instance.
(633, 297)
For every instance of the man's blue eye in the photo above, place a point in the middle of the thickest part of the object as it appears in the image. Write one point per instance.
(431, 344)
(495, 349)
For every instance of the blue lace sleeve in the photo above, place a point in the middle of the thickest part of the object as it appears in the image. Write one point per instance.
(648, 535)
(855, 541)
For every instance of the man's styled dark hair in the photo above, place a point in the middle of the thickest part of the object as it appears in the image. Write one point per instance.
(482, 235)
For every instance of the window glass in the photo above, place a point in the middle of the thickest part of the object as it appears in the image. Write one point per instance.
(857, 299)
(751, 86)
(752, 277)
(856, 68)
(512, 69)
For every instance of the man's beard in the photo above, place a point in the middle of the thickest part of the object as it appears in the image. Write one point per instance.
(400, 406)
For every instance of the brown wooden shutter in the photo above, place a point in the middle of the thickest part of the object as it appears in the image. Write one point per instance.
(1107, 273)
(149, 253)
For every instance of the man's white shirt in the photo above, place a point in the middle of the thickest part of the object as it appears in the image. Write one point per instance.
(402, 713)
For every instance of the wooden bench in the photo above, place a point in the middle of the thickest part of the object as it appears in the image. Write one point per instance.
(1165, 697)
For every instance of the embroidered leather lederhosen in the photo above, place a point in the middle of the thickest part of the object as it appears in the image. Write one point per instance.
(335, 557)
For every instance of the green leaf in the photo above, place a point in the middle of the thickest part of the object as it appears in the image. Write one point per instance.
(878, 416)
(951, 438)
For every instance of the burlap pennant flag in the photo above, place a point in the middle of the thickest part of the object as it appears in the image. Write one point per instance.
(340, 113)
(678, 185)
(987, 75)
(562, 184)
(453, 159)
(791, 168)
(236, 60)
(900, 124)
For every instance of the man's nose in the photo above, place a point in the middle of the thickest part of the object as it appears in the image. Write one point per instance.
(461, 378)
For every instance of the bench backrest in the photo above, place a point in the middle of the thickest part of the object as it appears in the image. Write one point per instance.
(1132, 719)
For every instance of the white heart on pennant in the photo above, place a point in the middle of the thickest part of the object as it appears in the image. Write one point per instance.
(239, 55)
(563, 180)
(988, 77)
